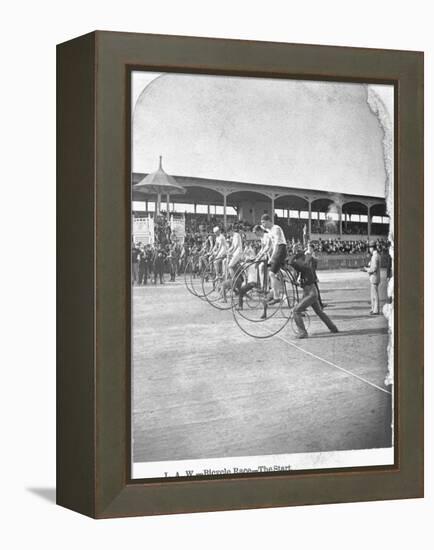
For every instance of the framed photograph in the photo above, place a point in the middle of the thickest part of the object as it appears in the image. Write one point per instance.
(240, 274)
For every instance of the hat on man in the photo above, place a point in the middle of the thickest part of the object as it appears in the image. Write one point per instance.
(216, 229)
(298, 254)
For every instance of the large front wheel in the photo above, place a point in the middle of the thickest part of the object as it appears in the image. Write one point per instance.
(253, 309)
(193, 276)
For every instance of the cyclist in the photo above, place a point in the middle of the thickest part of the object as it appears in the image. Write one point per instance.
(219, 251)
(235, 254)
(256, 271)
(235, 250)
(251, 273)
(278, 255)
(266, 243)
(207, 246)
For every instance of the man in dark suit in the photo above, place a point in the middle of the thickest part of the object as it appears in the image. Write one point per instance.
(145, 259)
(173, 258)
(135, 252)
(312, 262)
(310, 296)
(159, 261)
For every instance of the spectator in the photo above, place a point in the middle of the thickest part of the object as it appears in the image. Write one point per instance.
(158, 265)
(374, 278)
(135, 252)
(145, 259)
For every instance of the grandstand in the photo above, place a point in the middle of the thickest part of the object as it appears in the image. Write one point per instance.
(305, 213)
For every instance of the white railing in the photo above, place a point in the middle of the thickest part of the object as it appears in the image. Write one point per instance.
(143, 230)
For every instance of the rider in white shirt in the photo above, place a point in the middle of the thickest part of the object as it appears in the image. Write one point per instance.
(266, 243)
(278, 255)
(265, 251)
(235, 251)
(235, 255)
(219, 252)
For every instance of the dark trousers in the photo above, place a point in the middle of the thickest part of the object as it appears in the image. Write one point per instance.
(172, 266)
(135, 272)
(143, 273)
(158, 272)
(319, 296)
(310, 298)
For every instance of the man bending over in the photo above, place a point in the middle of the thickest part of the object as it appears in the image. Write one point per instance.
(310, 296)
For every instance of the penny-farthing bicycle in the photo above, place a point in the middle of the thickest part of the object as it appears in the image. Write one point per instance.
(193, 272)
(253, 308)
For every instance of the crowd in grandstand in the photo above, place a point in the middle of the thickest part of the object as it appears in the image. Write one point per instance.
(338, 246)
(325, 227)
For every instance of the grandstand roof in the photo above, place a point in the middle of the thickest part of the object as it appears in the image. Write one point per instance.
(211, 191)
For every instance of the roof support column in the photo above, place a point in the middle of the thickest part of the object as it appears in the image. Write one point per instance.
(168, 205)
(158, 205)
(369, 222)
(340, 220)
(224, 210)
(272, 208)
(309, 227)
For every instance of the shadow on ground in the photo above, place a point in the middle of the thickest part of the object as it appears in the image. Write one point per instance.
(363, 331)
(47, 493)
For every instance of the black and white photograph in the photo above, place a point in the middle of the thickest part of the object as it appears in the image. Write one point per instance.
(262, 274)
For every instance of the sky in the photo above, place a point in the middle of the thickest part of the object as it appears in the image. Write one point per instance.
(307, 134)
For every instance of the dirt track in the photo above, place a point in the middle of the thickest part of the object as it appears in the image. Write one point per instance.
(203, 389)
